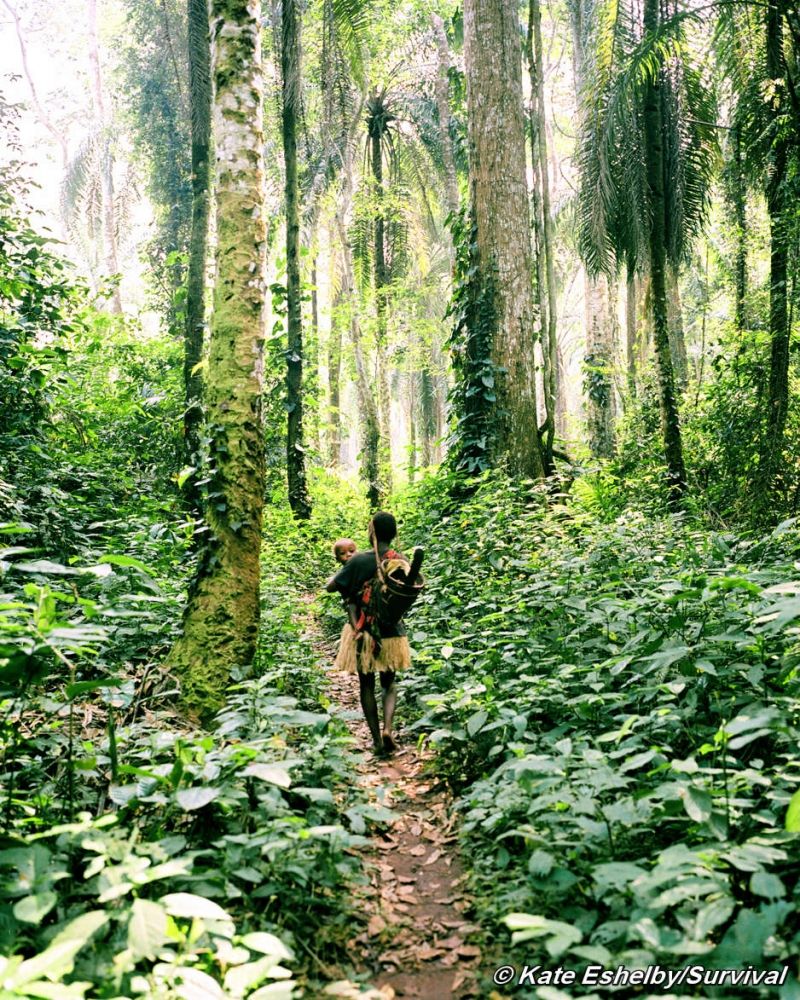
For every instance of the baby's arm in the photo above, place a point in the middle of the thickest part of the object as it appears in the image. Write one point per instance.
(352, 614)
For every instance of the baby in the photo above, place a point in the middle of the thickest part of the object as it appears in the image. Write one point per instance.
(343, 550)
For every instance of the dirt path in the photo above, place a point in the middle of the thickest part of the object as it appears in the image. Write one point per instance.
(417, 939)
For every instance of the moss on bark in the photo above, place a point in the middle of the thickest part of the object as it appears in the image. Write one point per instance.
(221, 621)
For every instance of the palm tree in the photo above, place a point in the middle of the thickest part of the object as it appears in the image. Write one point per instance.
(647, 154)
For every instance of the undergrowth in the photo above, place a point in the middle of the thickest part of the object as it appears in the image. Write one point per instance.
(141, 856)
(616, 702)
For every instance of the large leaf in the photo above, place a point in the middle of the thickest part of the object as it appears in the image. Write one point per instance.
(196, 797)
(147, 928)
(186, 904)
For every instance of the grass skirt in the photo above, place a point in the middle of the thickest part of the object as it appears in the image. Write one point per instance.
(395, 654)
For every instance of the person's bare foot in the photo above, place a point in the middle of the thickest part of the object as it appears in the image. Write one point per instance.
(389, 744)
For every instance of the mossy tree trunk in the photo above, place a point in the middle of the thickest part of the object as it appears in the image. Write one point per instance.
(220, 625)
(291, 77)
(200, 98)
(499, 198)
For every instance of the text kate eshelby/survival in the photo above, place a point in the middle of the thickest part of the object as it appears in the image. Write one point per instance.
(652, 975)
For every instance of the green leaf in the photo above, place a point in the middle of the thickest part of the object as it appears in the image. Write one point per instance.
(242, 978)
(58, 958)
(768, 885)
(793, 813)
(186, 904)
(711, 916)
(267, 944)
(697, 803)
(184, 474)
(147, 928)
(271, 773)
(45, 566)
(196, 797)
(116, 560)
(84, 687)
(476, 721)
(32, 909)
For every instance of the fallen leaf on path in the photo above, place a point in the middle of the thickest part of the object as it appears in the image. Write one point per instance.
(469, 951)
(376, 925)
(434, 857)
(418, 850)
(427, 953)
(454, 941)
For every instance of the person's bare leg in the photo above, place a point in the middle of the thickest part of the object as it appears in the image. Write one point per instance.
(389, 687)
(366, 685)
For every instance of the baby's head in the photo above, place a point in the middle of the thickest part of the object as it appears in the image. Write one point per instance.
(343, 550)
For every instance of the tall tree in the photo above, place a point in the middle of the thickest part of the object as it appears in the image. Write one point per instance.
(599, 296)
(107, 161)
(442, 91)
(499, 205)
(291, 77)
(379, 115)
(759, 54)
(648, 151)
(220, 625)
(778, 78)
(154, 69)
(544, 232)
(200, 98)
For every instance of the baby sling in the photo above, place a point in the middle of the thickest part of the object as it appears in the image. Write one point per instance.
(385, 598)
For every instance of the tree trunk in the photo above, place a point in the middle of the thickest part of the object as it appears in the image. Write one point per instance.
(631, 330)
(738, 198)
(291, 79)
(220, 625)
(600, 303)
(442, 91)
(670, 419)
(499, 197)
(371, 433)
(545, 228)
(600, 342)
(778, 398)
(428, 430)
(677, 337)
(377, 127)
(412, 428)
(107, 164)
(199, 47)
(334, 417)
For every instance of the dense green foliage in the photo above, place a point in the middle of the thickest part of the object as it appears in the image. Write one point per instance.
(615, 700)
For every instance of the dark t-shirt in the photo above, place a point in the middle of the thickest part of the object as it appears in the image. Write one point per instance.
(352, 577)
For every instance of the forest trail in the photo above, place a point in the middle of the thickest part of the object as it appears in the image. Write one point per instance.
(416, 940)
